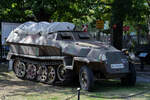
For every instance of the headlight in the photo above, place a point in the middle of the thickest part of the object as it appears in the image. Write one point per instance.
(102, 57)
(125, 51)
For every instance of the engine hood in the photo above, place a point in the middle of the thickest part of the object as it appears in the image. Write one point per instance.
(92, 50)
(96, 45)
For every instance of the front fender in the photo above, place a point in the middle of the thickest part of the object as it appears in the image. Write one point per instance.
(82, 59)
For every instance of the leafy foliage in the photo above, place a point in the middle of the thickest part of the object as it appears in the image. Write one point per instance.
(76, 11)
(57, 10)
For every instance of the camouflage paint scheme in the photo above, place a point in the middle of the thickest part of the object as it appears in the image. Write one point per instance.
(75, 46)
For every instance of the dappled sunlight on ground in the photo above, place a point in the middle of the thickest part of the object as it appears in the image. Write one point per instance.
(12, 88)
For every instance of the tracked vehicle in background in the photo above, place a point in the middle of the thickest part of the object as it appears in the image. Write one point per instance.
(50, 52)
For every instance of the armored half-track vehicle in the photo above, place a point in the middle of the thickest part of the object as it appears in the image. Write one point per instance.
(50, 52)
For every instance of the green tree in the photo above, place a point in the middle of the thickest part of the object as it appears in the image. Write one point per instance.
(78, 12)
(134, 12)
(120, 9)
(57, 10)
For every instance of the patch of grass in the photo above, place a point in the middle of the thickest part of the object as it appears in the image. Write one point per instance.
(114, 90)
(12, 88)
(105, 93)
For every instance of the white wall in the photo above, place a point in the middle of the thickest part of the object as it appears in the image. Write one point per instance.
(6, 29)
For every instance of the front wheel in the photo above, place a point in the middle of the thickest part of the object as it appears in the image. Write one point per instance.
(130, 79)
(86, 78)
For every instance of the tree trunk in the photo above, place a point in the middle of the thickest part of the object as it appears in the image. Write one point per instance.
(117, 35)
(119, 12)
(0, 48)
(149, 29)
(148, 22)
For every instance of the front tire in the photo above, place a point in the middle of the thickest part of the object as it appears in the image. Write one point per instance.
(86, 78)
(130, 79)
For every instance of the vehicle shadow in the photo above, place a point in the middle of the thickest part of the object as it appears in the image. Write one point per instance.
(4, 68)
(108, 89)
(102, 89)
(112, 89)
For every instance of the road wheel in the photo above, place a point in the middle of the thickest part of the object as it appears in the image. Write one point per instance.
(42, 73)
(86, 78)
(19, 69)
(52, 76)
(130, 79)
(61, 72)
(31, 71)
